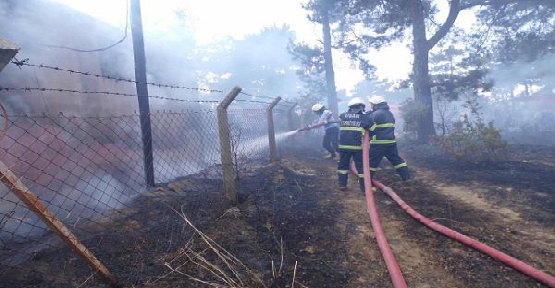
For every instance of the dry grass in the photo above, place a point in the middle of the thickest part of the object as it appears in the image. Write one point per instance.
(208, 264)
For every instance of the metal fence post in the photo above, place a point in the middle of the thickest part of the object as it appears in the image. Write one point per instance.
(271, 131)
(225, 145)
(290, 117)
(35, 205)
(142, 90)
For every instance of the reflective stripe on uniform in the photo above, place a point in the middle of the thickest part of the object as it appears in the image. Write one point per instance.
(374, 141)
(360, 175)
(350, 147)
(404, 164)
(343, 172)
(385, 125)
(359, 129)
(373, 169)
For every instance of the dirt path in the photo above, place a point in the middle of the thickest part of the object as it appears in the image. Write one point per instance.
(427, 258)
(500, 205)
(420, 270)
(526, 236)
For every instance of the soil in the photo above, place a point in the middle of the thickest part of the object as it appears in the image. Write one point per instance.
(293, 211)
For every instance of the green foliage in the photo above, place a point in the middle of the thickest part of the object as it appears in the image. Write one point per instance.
(474, 142)
(524, 30)
(456, 71)
(310, 72)
(413, 112)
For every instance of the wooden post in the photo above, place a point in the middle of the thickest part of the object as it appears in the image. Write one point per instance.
(225, 146)
(35, 205)
(271, 131)
(290, 117)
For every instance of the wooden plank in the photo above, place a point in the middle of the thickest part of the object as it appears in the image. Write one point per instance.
(35, 205)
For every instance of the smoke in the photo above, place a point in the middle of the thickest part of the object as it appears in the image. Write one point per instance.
(537, 74)
(259, 63)
(522, 102)
(84, 166)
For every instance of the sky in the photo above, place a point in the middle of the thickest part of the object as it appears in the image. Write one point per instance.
(214, 19)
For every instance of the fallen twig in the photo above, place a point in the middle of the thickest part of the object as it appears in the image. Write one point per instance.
(294, 275)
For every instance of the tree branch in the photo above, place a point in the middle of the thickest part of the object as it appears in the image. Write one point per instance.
(454, 10)
(472, 3)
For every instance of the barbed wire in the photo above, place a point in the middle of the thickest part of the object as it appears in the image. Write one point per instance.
(109, 93)
(24, 62)
(42, 89)
(265, 97)
(257, 96)
(74, 91)
(65, 115)
(252, 101)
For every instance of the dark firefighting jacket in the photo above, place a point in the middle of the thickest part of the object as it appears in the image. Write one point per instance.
(351, 130)
(383, 128)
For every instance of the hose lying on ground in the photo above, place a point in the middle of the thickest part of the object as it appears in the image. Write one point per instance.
(492, 252)
(389, 259)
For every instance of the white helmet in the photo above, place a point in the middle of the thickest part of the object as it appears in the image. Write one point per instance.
(317, 107)
(377, 100)
(356, 101)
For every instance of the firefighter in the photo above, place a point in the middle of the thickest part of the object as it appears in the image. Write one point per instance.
(353, 125)
(383, 141)
(331, 127)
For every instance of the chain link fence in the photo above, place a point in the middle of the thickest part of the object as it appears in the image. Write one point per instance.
(89, 172)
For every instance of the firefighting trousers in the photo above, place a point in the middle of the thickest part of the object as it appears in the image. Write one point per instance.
(331, 140)
(378, 151)
(343, 168)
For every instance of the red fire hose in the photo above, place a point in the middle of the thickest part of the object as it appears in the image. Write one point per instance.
(389, 258)
(498, 255)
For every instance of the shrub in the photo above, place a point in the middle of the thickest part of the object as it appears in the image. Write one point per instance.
(412, 113)
(474, 142)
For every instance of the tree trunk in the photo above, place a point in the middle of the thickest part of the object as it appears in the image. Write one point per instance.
(328, 63)
(421, 73)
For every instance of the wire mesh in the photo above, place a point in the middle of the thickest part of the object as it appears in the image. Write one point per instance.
(89, 171)
(185, 143)
(83, 169)
(249, 136)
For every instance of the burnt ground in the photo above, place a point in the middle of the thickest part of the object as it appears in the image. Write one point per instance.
(292, 211)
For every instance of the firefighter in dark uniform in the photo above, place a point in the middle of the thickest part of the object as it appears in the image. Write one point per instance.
(353, 125)
(383, 141)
